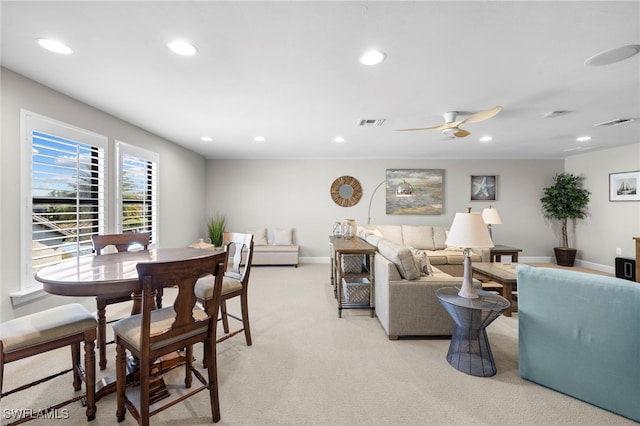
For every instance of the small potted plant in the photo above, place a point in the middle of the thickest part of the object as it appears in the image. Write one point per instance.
(565, 199)
(215, 229)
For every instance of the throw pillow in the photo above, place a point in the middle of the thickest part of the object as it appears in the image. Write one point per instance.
(260, 237)
(283, 237)
(421, 260)
(401, 256)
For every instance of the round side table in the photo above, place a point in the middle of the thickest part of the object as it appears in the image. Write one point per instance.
(469, 351)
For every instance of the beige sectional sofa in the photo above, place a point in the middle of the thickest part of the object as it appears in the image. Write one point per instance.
(405, 284)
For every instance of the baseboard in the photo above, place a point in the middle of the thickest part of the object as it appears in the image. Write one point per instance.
(596, 266)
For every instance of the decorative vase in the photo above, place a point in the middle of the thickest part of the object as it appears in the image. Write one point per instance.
(565, 256)
(349, 228)
(337, 229)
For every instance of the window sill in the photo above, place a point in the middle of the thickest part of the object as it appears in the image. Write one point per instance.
(25, 296)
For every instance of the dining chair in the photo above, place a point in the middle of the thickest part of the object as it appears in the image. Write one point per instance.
(122, 242)
(235, 284)
(158, 332)
(38, 333)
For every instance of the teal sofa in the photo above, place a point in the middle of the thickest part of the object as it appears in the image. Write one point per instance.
(579, 334)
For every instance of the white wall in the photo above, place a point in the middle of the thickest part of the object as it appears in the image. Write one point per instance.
(295, 193)
(610, 224)
(181, 181)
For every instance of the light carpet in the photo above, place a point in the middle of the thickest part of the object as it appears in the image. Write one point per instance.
(308, 367)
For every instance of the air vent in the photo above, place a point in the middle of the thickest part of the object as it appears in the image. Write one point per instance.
(616, 122)
(371, 122)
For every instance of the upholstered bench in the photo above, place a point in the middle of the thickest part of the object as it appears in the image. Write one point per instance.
(35, 334)
(275, 255)
(274, 247)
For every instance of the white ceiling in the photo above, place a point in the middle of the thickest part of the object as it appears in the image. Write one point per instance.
(289, 71)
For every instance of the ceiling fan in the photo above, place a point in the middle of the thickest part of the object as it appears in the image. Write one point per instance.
(451, 126)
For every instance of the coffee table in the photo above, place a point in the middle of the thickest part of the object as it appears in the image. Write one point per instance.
(502, 274)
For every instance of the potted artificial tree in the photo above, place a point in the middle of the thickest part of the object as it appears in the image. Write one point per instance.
(565, 199)
(215, 228)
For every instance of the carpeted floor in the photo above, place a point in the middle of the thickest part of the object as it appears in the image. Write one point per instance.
(308, 367)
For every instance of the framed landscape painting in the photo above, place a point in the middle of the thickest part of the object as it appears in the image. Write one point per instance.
(484, 188)
(624, 186)
(415, 191)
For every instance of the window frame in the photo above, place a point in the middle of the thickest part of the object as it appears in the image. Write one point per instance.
(30, 122)
(122, 149)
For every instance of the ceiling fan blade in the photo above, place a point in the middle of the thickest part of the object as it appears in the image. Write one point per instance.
(483, 115)
(444, 126)
(461, 133)
(419, 128)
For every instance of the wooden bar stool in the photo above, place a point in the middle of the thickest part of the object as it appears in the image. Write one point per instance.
(68, 325)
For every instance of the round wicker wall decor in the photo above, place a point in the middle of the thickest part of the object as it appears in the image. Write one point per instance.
(346, 191)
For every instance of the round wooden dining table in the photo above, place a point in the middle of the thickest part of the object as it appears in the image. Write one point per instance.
(111, 274)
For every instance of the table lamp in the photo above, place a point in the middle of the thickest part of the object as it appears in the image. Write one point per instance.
(468, 230)
(491, 217)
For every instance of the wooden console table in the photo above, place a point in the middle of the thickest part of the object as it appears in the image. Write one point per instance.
(341, 247)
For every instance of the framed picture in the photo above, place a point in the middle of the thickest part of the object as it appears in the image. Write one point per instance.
(624, 186)
(415, 191)
(484, 188)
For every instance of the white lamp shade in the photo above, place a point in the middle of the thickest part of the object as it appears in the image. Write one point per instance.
(490, 216)
(469, 230)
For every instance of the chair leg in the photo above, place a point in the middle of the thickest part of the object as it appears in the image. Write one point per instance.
(159, 294)
(209, 310)
(121, 373)
(212, 370)
(102, 332)
(225, 319)
(245, 317)
(145, 372)
(90, 374)
(189, 361)
(76, 366)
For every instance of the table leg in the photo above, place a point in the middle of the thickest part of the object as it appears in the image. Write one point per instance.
(507, 293)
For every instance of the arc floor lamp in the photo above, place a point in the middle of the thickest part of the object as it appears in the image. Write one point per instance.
(404, 189)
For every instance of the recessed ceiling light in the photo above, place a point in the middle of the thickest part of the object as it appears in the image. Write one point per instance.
(486, 139)
(583, 138)
(259, 139)
(338, 139)
(54, 46)
(372, 57)
(206, 139)
(613, 55)
(182, 48)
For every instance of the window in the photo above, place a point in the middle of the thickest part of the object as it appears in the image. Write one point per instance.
(137, 190)
(64, 191)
